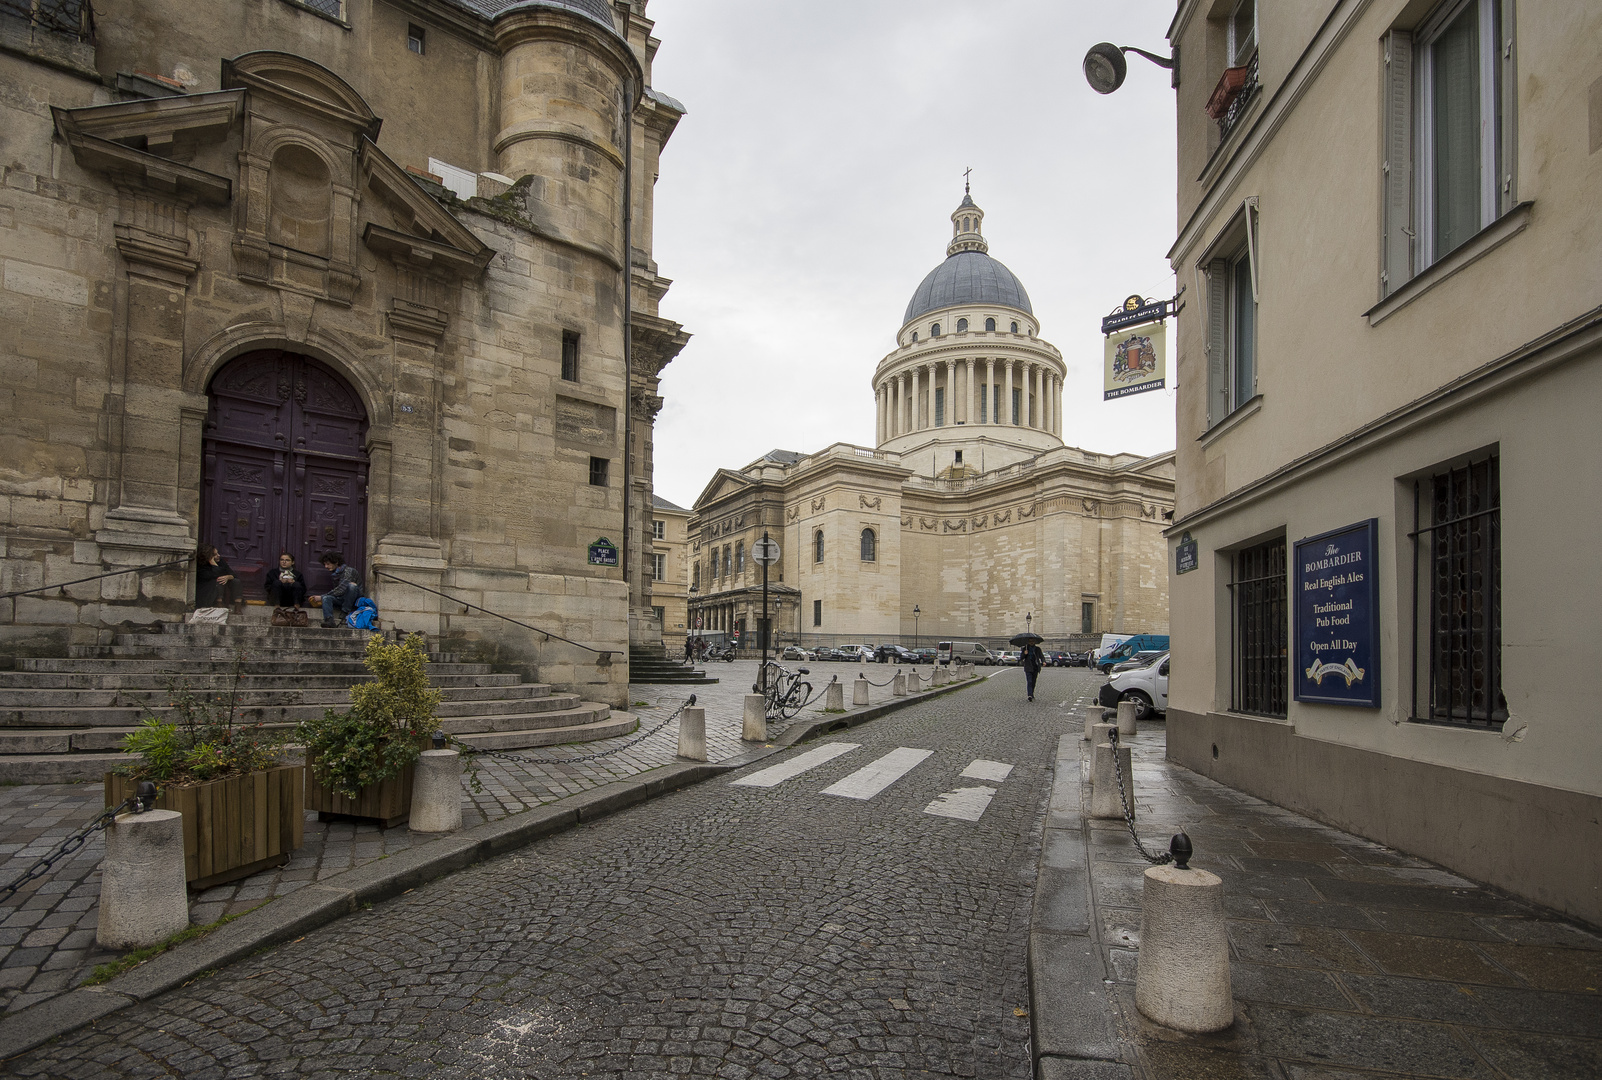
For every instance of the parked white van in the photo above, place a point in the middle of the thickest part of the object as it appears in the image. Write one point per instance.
(966, 652)
(1109, 642)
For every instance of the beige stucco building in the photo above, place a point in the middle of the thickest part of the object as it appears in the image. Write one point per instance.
(670, 569)
(970, 515)
(363, 274)
(1390, 221)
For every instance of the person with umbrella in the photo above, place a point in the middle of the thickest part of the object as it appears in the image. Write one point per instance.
(1030, 658)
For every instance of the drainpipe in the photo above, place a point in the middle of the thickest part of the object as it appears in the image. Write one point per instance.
(628, 333)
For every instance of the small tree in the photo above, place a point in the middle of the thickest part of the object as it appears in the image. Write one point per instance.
(390, 719)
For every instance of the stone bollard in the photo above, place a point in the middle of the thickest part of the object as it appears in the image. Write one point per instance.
(834, 696)
(941, 676)
(1126, 719)
(756, 721)
(143, 897)
(899, 687)
(692, 733)
(1092, 718)
(437, 792)
(1101, 733)
(1104, 800)
(1182, 971)
(859, 692)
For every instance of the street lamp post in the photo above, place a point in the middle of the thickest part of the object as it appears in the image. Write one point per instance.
(915, 614)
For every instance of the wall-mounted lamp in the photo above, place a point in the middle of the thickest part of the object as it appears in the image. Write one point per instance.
(1105, 67)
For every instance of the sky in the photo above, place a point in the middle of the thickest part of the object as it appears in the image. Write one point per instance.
(808, 190)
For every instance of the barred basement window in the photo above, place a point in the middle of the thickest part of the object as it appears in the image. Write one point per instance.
(1259, 673)
(1457, 542)
(598, 471)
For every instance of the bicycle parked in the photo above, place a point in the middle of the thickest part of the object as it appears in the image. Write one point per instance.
(784, 693)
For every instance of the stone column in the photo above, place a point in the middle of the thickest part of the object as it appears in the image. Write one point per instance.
(917, 393)
(1006, 401)
(951, 391)
(968, 397)
(990, 390)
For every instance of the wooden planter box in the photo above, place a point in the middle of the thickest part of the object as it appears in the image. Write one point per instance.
(388, 802)
(233, 827)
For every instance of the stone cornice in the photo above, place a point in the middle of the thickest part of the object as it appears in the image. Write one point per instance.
(140, 169)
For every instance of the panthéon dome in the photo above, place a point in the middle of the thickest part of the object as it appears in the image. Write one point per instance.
(969, 275)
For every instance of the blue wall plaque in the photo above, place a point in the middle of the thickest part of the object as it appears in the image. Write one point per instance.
(1185, 556)
(1337, 617)
(603, 553)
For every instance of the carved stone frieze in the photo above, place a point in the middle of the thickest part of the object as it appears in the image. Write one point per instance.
(865, 503)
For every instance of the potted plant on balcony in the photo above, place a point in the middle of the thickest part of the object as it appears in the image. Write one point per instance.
(243, 809)
(360, 762)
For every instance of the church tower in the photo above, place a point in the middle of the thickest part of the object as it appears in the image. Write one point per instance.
(970, 387)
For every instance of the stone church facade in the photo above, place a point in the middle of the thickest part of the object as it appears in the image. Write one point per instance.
(333, 274)
(968, 517)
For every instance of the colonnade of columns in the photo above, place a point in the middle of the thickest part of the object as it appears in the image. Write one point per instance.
(907, 402)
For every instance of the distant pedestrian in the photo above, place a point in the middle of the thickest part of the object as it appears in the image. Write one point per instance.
(1032, 660)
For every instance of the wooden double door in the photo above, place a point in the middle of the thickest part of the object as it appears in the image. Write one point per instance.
(285, 467)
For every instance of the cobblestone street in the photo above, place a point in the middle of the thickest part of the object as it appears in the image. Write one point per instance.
(47, 939)
(765, 928)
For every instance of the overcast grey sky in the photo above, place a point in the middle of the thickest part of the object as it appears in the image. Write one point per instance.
(808, 191)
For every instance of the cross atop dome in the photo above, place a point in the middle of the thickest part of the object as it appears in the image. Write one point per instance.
(966, 223)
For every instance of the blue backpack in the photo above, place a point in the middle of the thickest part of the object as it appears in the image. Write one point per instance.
(365, 617)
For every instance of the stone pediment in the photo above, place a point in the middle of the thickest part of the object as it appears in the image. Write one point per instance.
(430, 235)
(304, 85)
(148, 143)
(725, 482)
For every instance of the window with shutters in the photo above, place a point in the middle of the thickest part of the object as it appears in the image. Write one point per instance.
(1230, 269)
(1447, 161)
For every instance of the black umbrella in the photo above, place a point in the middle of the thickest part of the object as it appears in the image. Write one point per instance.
(1026, 639)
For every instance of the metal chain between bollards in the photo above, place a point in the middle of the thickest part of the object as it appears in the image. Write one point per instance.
(521, 760)
(76, 840)
(1129, 812)
(887, 682)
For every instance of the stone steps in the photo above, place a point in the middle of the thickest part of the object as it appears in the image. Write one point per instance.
(64, 718)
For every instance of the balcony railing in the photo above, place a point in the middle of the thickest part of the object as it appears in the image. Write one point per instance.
(1240, 101)
(71, 18)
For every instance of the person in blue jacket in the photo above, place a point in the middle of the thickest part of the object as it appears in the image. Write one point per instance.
(342, 594)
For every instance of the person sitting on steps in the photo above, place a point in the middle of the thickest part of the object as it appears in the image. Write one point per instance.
(343, 594)
(214, 579)
(285, 584)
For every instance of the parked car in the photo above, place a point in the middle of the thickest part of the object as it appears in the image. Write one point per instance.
(1146, 686)
(970, 652)
(1126, 649)
(894, 654)
(796, 652)
(1008, 658)
(1056, 658)
(1140, 659)
(926, 656)
(1078, 659)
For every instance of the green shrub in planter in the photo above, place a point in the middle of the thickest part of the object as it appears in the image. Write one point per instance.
(390, 720)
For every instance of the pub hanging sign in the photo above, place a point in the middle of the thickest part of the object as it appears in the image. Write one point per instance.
(603, 553)
(1337, 617)
(1133, 353)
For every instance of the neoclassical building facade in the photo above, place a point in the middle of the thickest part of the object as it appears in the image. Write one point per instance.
(372, 275)
(969, 517)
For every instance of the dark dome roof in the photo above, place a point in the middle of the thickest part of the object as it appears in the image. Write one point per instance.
(968, 277)
(595, 10)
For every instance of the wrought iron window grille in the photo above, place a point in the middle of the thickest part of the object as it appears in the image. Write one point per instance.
(1457, 546)
(1259, 617)
(73, 18)
(1242, 99)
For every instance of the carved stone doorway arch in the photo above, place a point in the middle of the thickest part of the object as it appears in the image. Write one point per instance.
(285, 467)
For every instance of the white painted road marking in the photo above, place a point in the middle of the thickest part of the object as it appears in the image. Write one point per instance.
(797, 765)
(874, 777)
(964, 804)
(987, 770)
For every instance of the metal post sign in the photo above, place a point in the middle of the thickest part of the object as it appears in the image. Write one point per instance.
(603, 553)
(1136, 343)
(1337, 617)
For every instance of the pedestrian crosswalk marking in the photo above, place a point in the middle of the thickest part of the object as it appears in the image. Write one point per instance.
(778, 774)
(875, 776)
(987, 770)
(964, 804)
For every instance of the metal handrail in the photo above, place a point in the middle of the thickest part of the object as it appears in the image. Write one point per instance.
(114, 573)
(605, 655)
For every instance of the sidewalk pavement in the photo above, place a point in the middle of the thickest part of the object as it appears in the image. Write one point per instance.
(1349, 961)
(47, 929)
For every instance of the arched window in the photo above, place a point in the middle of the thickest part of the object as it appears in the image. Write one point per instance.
(739, 557)
(1015, 328)
(934, 331)
(962, 325)
(817, 546)
(915, 335)
(990, 324)
(869, 545)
